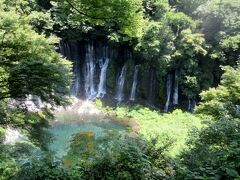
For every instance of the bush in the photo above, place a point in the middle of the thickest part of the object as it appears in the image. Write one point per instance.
(127, 159)
(214, 152)
(169, 126)
(2, 133)
(8, 165)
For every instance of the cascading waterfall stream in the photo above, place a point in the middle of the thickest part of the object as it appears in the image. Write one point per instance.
(134, 85)
(103, 64)
(191, 105)
(89, 71)
(120, 85)
(76, 68)
(175, 95)
(65, 49)
(70, 51)
(169, 88)
(61, 47)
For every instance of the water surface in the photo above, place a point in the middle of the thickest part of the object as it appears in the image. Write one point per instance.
(63, 132)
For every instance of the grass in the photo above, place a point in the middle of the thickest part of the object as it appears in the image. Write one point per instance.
(173, 126)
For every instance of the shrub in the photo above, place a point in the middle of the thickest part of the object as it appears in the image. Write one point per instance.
(128, 158)
(43, 168)
(169, 126)
(214, 152)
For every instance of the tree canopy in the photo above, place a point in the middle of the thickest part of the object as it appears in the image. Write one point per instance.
(118, 17)
(29, 62)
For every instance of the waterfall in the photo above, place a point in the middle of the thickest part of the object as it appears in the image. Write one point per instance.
(237, 109)
(70, 51)
(65, 49)
(191, 105)
(134, 84)
(75, 90)
(103, 64)
(175, 95)
(61, 48)
(120, 85)
(169, 88)
(89, 70)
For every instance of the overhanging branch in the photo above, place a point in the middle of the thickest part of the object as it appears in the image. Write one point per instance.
(87, 15)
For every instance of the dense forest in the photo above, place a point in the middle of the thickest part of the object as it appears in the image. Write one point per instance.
(119, 89)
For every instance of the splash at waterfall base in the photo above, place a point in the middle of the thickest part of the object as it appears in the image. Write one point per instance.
(82, 110)
(82, 128)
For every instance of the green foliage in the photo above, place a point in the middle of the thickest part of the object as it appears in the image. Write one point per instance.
(8, 168)
(29, 63)
(214, 151)
(156, 9)
(39, 18)
(220, 18)
(230, 50)
(43, 168)
(190, 48)
(2, 133)
(191, 44)
(231, 43)
(132, 159)
(179, 21)
(169, 42)
(125, 161)
(127, 158)
(11, 156)
(117, 17)
(99, 103)
(157, 44)
(220, 25)
(32, 123)
(187, 6)
(223, 100)
(166, 35)
(172, 127)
